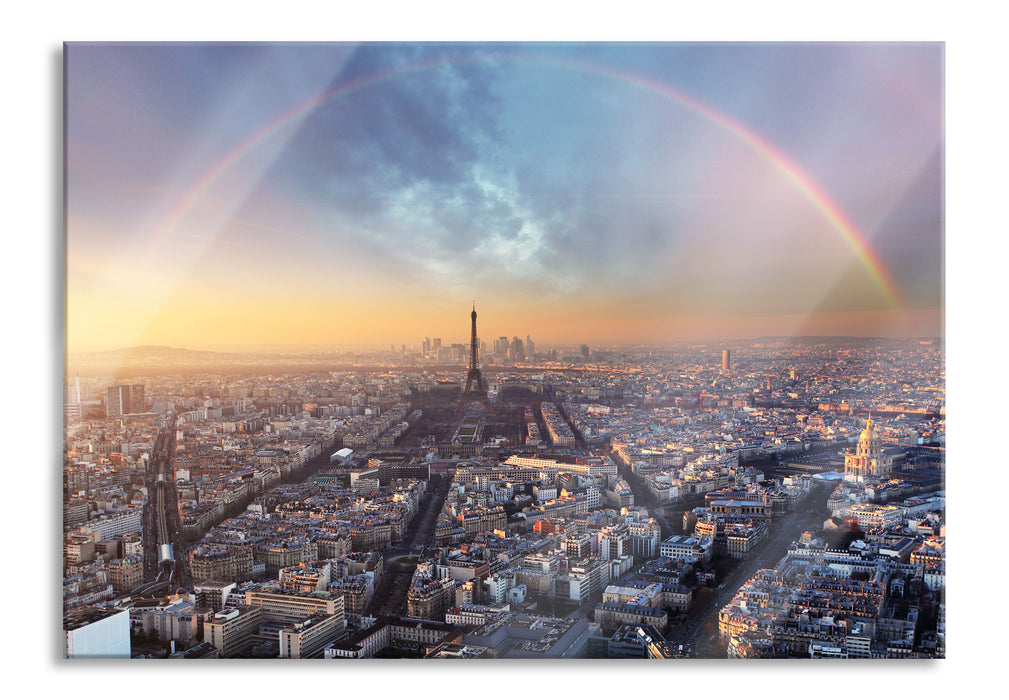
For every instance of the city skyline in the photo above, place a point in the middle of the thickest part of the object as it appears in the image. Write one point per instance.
(230, 196)
(625, 508)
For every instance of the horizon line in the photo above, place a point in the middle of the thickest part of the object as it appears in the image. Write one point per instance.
(379, 345)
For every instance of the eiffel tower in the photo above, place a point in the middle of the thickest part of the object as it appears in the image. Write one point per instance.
(476, 387)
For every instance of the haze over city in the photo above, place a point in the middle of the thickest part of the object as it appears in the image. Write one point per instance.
(229, 196)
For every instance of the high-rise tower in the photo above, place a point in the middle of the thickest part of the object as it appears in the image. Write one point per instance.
(123, 399)
(476, 387)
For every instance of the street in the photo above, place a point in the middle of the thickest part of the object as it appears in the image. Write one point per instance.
(390, 591)
(701, 627)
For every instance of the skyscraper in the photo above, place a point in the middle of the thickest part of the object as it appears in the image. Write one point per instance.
(123, 399)
(72, 401)
(518, 350)
(725, 360)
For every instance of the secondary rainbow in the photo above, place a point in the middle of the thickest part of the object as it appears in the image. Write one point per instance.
(833, 213)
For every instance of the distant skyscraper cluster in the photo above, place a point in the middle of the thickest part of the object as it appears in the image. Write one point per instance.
(503, 349)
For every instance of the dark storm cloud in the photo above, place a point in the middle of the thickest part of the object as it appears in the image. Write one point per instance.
(430, 163)
(412, 139)
(421, 123)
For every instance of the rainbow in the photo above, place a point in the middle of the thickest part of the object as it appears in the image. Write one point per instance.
(832, 213)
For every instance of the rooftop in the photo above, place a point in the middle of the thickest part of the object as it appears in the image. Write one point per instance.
(81, 617)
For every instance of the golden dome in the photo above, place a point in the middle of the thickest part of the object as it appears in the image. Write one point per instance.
(868, 435)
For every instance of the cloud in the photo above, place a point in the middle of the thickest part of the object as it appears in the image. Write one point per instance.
(476, 168)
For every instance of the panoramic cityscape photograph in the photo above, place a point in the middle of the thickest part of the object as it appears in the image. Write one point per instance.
(504, 351)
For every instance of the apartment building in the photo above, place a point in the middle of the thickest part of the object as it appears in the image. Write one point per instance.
(233, 630)
(306, 639)
(221, 563)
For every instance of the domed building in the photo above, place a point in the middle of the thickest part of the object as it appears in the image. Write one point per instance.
(868, 461)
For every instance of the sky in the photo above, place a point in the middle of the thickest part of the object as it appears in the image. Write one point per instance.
(225, 196)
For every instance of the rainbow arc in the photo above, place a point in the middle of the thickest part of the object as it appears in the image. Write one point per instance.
(839, 222)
